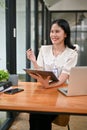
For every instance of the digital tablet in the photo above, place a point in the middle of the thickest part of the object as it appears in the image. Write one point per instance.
(43, 73)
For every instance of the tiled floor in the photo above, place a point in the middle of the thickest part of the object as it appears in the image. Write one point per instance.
(76, 123)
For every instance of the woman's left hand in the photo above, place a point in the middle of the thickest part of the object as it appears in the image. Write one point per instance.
(44, 82)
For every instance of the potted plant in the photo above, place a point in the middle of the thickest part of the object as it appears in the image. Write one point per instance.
(4, 75)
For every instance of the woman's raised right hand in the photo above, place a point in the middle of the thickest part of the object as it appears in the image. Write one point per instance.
(30, 55)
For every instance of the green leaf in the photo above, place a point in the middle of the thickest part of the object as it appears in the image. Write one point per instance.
(4, 75)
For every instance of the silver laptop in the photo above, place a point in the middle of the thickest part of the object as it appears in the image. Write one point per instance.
(77, 82)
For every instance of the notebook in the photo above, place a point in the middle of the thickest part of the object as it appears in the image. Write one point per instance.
(44, 74)
(4, 86)
(77, 82)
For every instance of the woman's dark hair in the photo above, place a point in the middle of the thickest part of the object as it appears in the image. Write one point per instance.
(65, 26)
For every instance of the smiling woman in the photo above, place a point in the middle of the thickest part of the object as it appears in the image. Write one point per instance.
(60, 56)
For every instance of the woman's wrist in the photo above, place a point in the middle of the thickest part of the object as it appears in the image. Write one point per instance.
(53, 84)
(35, 64)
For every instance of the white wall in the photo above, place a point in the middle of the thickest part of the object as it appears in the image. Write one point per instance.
(69, 5)
(2, 39)
(21, 42)
(21, 35)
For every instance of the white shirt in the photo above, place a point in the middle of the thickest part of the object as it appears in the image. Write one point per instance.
(63, 62)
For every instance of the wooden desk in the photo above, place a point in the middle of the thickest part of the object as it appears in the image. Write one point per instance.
(36, 99)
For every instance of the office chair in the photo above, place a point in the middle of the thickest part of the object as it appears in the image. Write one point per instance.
(62, 120)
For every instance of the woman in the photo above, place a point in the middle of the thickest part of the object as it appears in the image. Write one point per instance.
(60, 57)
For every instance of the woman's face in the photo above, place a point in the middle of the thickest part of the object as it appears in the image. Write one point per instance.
(57, 34)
